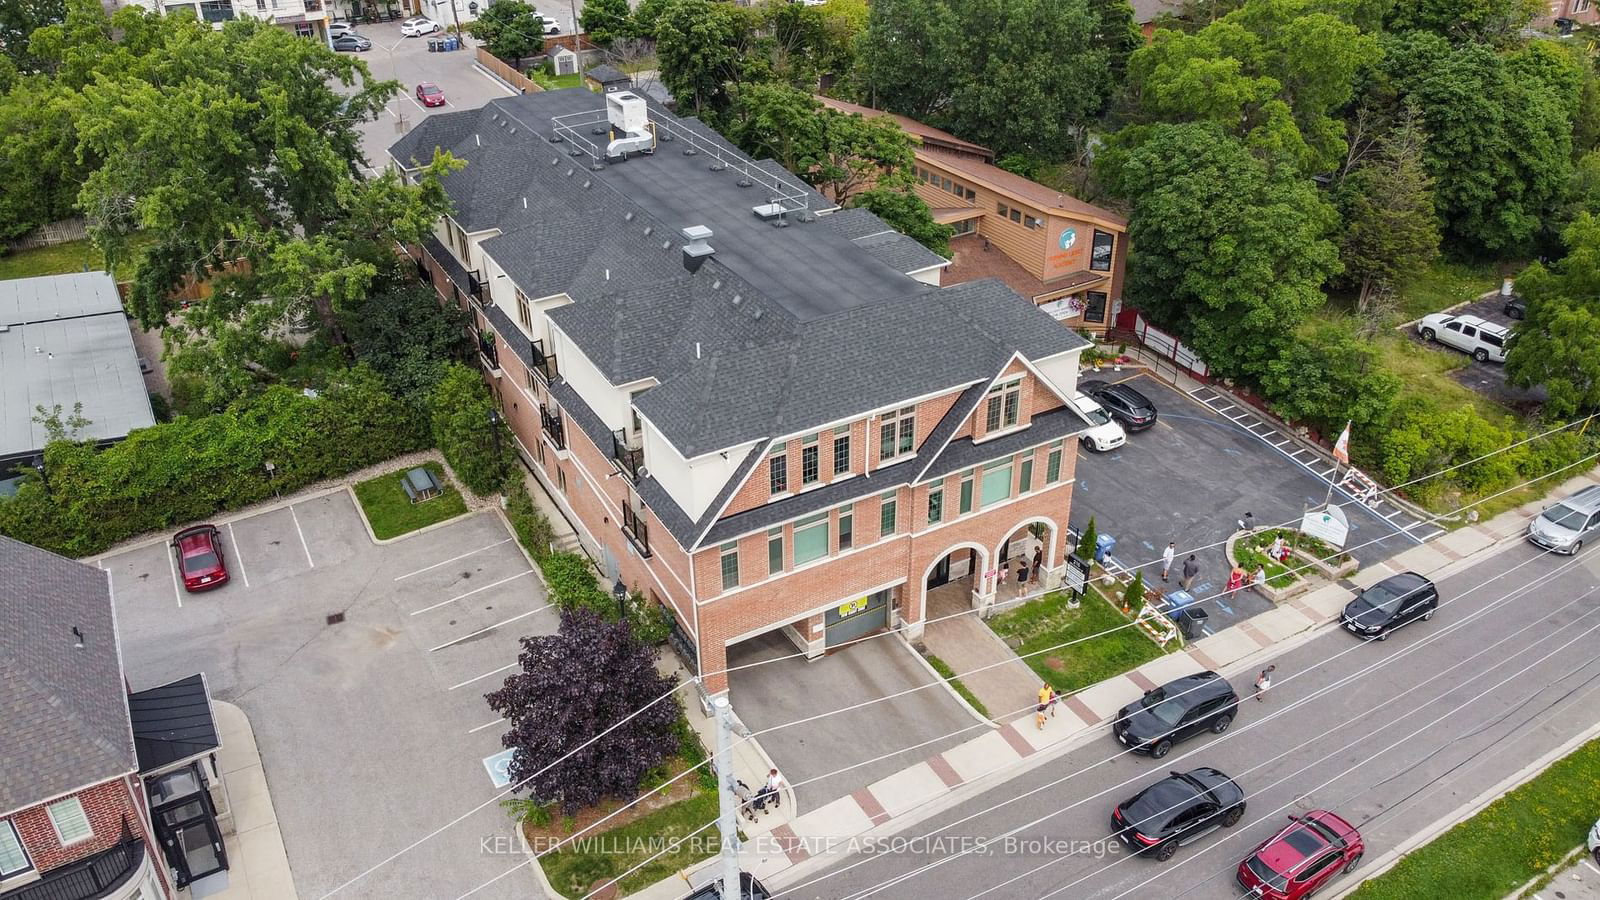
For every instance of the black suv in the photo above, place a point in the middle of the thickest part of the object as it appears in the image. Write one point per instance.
(1177, 810)
(1133, 409)
(1176, 711)
(749, 888)
(1390, 603)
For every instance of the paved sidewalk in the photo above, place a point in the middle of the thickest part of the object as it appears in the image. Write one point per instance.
(258, 867)
(965, 643)
(914, 793)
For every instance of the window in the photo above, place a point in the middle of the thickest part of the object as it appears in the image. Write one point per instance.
(1052, 465)
(996, 482)
(1094, 306)
(1025, 476)
(70, 822)
(778, 467)
(847, 526)
(965, 226)
(524, 311)
(841, 450)
(1003, 406)
(886, 514)
(1002, 209)
(945, 183)
(561, 479)
(1016, 215)
(935, 506)
(810, 538)
(971, 194)
(1032, 222)
(896, 432)
(1100, 254)
(775, 550)
(730, 565)
(966, 492)
(13, 858)
(809, 462)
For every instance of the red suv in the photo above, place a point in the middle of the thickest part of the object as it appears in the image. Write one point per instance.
(1299, 860)
(200, 561)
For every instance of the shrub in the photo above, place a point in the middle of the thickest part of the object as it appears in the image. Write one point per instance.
(461, 408)
(532, 528)
(1133, 597)
(1087, 541)
(573, 585)
(651, 622)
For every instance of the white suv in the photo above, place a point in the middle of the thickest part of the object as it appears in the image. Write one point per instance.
(1104, 433)
(1482, 338)
(417, 27)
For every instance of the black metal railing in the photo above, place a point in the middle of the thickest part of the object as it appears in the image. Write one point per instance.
(553, 427)
(475, 284)
(637, 528)
(489, 349)
(628, 459)
(86, 879)
(544, 363)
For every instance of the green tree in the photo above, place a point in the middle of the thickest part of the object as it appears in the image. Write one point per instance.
(700, 44)
(897, 204)
(1466, 20)
(463, 432)
(38, 160)
(19, 19)
(1327, 376)
(1087, 540)
(407, 336)
(647, 17)
(1390, 228)
(510, 29)
(1116, 33)
(1227, 250)
(606, 21)
(1554, 346)
(1133, 595)
(909, 56)
(838, 153)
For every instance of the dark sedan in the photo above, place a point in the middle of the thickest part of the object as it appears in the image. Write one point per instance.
(1177, 711)
(1179, 809)
(1389, 604)
(1133, 409)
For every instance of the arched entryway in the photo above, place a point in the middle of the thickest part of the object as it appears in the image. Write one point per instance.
(951, 580)
(1028, 549)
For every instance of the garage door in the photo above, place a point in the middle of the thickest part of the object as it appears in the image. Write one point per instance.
(858, 617)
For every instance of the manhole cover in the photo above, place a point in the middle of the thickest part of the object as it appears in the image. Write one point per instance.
(335, 618)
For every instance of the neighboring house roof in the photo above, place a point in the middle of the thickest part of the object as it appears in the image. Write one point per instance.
(604, 74)
(1047, 199)
(974, 259)
(172, 723)
(64, 708)
(64, 340)
(928, 135)
(1147, 11)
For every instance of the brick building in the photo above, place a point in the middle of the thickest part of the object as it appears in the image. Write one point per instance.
(1065, 255)
(759, 410)
(81, 758)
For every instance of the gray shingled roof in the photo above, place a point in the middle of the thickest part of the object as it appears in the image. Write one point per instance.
(605, 74)
(64, 710)
(901, 252)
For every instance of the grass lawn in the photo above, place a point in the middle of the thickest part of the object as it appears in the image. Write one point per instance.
(1440, 286)
(557, 82)
(61, 259)
(949, 674)
(391, 513)
(1048, 621)
(596, 858)
(1512, 841)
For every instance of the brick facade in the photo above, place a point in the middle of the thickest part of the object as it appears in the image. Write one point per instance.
(108, 806)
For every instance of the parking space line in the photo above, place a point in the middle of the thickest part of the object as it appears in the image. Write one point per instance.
(237, 555)
(177, 590)
(481, 677)
(1284, 444)
(471, 592)
(485, 725)
(303, 545)
(454, 641)
(1225, 408)
(416, 104)
(1391, 516)
(1591, 865)
(451, 560)
(1297, 452)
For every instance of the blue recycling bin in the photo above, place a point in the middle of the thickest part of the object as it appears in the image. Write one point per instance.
(1103, 544)
(1179, 599)
(454, 43)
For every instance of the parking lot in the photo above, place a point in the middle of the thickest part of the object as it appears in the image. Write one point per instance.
(1193, 476)
(362, 669)
(1488, 378)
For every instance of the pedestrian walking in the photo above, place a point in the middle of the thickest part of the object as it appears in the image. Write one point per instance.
(1264, 681)
(1191, 568)
(1047, 703)
(775, 785)
(1166, 559)
(1038, 562)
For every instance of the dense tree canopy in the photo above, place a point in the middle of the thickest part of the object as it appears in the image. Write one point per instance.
(1555, 346)
(840, 154)
(700, 45)
(1390, 227)
(510, 29)
(606, 21)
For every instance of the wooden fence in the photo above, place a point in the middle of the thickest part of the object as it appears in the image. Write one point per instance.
(51, 234)
(506, 73)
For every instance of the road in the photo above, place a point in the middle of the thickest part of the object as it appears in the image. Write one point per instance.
(1391, 735)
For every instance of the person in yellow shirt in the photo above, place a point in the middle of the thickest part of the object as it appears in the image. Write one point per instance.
(1047, 701)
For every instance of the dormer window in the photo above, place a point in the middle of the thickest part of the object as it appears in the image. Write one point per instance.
(897, 432)
(1002, 406)
(778, 467)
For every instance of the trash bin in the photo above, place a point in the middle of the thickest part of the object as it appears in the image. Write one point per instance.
(1192, 621)
(455, 43)
(1179, 599)
(433, 46)
(1102, 546)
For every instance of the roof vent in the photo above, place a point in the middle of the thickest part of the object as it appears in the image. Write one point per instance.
(513, 130)
(648, 230)
(698, 250)
(738, 299)
(627, 216)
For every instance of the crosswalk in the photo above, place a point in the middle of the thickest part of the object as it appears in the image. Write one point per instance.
(1419, 530)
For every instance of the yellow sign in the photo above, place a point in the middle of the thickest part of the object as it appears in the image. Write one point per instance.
(852, 607)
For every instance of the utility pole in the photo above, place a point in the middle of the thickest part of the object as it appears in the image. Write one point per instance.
(727, 814)
(577, 37)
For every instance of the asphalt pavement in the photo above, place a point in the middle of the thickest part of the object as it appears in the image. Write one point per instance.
(1392, 736)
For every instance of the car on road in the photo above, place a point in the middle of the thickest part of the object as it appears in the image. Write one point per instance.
(198, 553)
(1176, 711)
(1179, 809)
(1395, 601)
(1565, 526)
(1133, 409)
(430, 94)
(351, 42)
(1104, 433)
(1312, 850)
(417, 26)
(750, 888)
(1481, 338)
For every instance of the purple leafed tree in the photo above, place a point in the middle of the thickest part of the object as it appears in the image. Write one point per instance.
(573, 685)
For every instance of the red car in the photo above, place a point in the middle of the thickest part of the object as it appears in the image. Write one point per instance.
(200, 560)
(1308, 853)
(430, 94)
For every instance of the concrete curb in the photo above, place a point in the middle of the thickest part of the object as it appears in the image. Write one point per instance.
(945, 683)
(546, 889)
(366, 523)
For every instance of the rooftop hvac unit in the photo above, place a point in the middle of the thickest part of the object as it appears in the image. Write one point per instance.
(626, 111)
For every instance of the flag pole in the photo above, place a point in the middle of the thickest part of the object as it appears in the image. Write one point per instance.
(1341, 454)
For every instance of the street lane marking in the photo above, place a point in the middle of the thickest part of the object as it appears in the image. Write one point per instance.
(453, 641)
(451, 560)
(475, 590)
(237, 555)
(486, 725)
(303, 545)
(177, 590)
(1591, 865)
(482, 677)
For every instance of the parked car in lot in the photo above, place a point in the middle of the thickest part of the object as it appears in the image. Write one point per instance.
(1594, 842)
(1176, 711)
(199, 557)
(1179, 809)
(1103, 434)
(1482, 338)
(550, 26)
(417, 26)
(1395, 601)
(1516, 308)
(337, 28)
(1133, 409)
(1565, 526)
(1309, 852)
(352, 42)
(430, 94)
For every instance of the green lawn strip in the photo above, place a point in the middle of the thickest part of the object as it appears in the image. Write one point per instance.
(1513, 840)
(1251, 553)
(949, 675)
(391, 513)
(556, 82)
(1445, 284)
(62, 259)
(1048, 622)
(596, 858)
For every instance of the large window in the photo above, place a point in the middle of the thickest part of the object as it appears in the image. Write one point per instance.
(1025, 476)
(996, 482)
(811, 538)
(935, 506)
(847, 527)
(1003, 406)
(967, 479)
(778, 467)
(810, 461)
(841, 450)
(1100, 254)
(13, 858)
(524, 311)
(775, 550)
(1094, 306)
(70, 822)
(1052, 466)
(896, 433)
(886, 514)
(730, 565)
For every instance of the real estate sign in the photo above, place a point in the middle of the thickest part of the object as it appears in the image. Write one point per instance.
(1328, 524)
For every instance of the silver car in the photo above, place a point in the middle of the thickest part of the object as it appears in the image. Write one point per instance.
(1565, 526)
